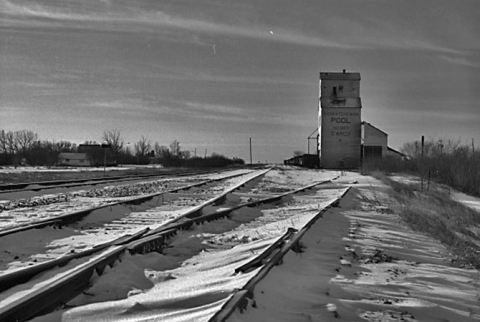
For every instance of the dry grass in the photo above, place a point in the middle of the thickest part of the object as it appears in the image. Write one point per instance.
(436, 214)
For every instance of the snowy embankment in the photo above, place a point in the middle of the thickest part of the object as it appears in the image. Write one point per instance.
(362, 263)
(467, 200)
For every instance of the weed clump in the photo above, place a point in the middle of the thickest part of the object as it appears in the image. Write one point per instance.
(435, 213)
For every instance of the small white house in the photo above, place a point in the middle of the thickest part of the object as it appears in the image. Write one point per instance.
(74, 159)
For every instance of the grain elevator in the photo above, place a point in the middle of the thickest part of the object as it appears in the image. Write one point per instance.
(340, 120)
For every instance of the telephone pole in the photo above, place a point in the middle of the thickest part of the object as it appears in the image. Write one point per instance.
(250, 151)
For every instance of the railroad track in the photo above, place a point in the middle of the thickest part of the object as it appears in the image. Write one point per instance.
(268, 259)
(51, 184)
(59, 291)
(101, 224)
(34, 193)
(79, 203)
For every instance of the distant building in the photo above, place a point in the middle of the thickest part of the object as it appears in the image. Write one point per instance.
(98, 154)
(74, 159)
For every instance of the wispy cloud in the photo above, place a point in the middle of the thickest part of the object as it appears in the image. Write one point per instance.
(369, 33)
(216, 109)
(346, 31)
(228, 113)
(199, 74)
(461, 61)
(101, 16)
(123, 105)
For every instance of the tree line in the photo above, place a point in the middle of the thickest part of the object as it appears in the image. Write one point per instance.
(25, 147)
(444, 161)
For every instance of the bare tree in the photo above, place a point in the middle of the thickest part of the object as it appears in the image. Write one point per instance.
(10, 142)
(160, 150)
(3, 142)
(64, 146)
(115, 140)
(175, 148)
(142, 147)
(185, 155)
(25, 140)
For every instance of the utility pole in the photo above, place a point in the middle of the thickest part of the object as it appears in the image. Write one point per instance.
(250, 151)
(318, 150)
(105, 146)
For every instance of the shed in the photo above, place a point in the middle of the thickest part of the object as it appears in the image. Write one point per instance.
(374, 142)
(74, 159)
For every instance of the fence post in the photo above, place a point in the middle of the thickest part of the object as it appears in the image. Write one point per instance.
(421, 162)
(428, 185)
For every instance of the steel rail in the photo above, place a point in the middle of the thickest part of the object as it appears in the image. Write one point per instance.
(77, 215)
(73, 282)
(23, 275)
(23, 186)
(59, 290)
(239, 299)
(179, 224)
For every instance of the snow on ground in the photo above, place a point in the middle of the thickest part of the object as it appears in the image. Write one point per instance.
(18, 212)
(194, 279)
(467, 200)
(105, 225)
(361, 263)
(20, 169)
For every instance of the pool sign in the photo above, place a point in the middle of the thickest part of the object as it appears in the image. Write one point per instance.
(339, 122)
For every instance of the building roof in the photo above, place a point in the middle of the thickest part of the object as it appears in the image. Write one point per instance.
(341, 76)
(376, 128)
(395, 151)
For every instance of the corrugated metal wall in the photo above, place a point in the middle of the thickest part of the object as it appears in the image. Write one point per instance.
(340, 126)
